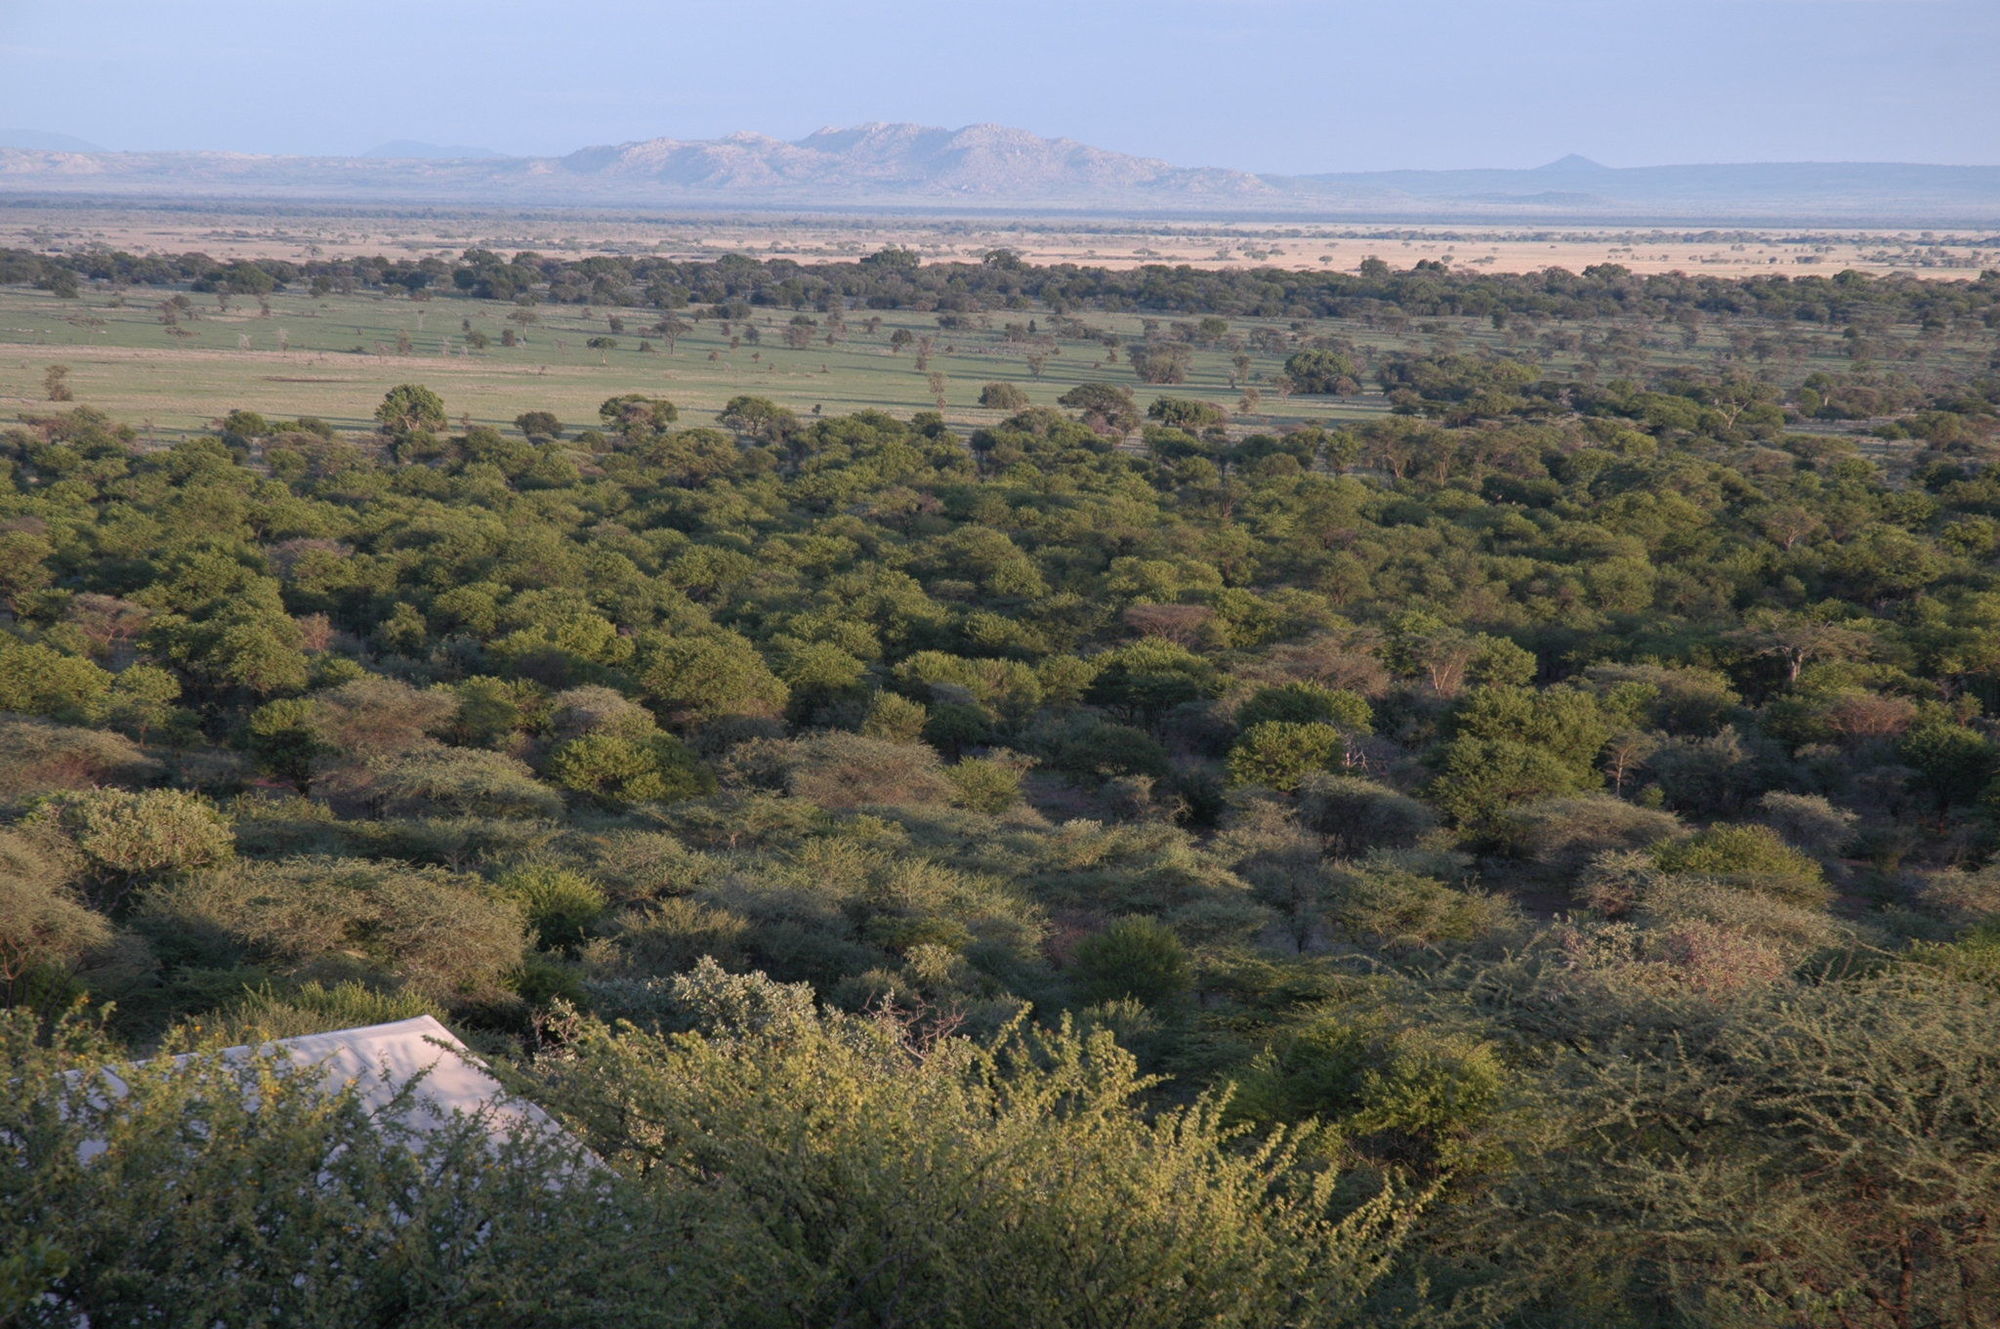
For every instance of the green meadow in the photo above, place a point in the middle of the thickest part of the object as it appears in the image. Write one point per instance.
(336, 356)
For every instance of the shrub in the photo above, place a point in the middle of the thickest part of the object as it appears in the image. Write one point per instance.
(669, 935)
(38, 756)
(836, 770)
(437, 933)
(1322, 372)
(1405, 1095)
(1003, 397)
(986, 784)
(1960, 896)
(1279, 755)
(594, 710)
(1562, 834)
(468, 782)
(43, 923)
(386, 1218)
(615, 769)
(1792, 930)
(1481, 778)
(1100, 750)
(895, 718)
(955, 726)
(1308, 703)
(1615, 880)
(559, 903)
(1749, 857)
(377, 717)
(1137, 958)
(1357, 815)
(697, 680)
(289, 1011)
(38, 680)
(834, 1116)
(1394, 906)
(1810, 822)
(126, 838)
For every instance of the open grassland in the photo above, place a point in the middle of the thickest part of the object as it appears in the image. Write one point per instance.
(335, 357)
(341, 355)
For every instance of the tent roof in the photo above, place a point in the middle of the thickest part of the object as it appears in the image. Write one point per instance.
(380, 1059)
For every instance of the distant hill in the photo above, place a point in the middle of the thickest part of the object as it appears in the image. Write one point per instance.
(995, 167)
(407, 148)
(44, 140)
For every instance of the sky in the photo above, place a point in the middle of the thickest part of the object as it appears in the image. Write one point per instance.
(1268, 85)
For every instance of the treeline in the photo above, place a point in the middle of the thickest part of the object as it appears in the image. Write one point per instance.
(897, 279)
(1541, 841)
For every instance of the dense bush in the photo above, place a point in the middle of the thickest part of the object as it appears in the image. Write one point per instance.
(1471, 779)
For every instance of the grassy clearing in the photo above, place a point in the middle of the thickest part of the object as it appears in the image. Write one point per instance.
(341, 355)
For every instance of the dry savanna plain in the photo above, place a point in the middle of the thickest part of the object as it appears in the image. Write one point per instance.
(335, 356)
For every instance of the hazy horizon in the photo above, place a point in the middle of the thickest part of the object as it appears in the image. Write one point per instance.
(1438, 84)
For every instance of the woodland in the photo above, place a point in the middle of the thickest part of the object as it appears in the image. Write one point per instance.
(1520, 856)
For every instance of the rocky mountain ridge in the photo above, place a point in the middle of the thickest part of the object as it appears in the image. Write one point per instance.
(996, 167)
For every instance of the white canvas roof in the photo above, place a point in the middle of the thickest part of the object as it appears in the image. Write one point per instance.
(380, 1059)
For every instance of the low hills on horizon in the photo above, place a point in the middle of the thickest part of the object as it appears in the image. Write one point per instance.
(993, 167)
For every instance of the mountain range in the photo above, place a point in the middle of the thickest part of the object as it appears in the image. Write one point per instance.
(992, 167)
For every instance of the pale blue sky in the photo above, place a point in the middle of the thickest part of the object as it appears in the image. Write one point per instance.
(1274, 85)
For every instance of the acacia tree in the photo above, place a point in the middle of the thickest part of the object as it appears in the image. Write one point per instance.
(411, 409)
(1322, 373)
(1798, 639)
(1105, 407)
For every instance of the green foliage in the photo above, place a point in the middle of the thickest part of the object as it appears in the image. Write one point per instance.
(1003, 397)
(1280, 755)
(614, 770)
(371, 717)
(44, 926)
(1308, 703)
(37, 756)
(986, 784)
(125, 839)
(383, 1230)
(411, 409)
(1843, 1131)
(1953, 764)
(698, 680)
(303, 1009)
(1480, 778)
(285, 741)
(1136, 958)
(1322, 372)
(1097, 750)
(1561, 834)
(1358, 815)
(1393, 905)
(1105, 407)
(436, 933)
(36, 680)
(1147, 678)
(559, 904)
(895, 718)
(459, 782)
(1100, 1210)
(1185, 413)
(1573, 593)
(1752, 857)
(1403, 1095)
(836, 770)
